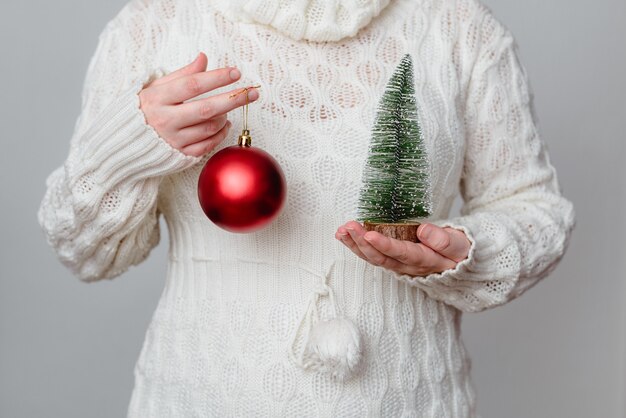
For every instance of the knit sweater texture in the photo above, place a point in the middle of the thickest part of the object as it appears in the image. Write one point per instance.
(218, 341)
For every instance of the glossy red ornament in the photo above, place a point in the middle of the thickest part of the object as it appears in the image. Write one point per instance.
(241, 188)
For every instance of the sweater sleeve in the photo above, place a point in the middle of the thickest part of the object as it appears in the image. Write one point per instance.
(99, 211)
(514, 215)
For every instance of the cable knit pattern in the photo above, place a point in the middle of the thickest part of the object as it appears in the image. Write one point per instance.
(218, 340)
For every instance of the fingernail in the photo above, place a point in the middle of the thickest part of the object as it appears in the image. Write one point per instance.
(425, 232)
(235, 74)
(253, 94)
(367, 238)
(228, 124)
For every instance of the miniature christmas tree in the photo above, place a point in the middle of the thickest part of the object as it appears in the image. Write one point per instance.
(395, 179)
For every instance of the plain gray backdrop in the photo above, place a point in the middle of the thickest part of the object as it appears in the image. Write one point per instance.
(67, 349)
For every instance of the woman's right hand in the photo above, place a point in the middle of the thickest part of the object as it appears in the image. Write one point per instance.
(198, 126)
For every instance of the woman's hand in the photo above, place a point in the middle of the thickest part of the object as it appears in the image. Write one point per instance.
(439, 249)
(198, 126)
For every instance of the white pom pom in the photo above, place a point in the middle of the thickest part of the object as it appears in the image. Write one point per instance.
(336, 347)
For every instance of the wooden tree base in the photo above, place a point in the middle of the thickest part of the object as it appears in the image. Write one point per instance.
(403, 231)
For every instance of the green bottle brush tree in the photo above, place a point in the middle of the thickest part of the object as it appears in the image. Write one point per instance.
(396, 183)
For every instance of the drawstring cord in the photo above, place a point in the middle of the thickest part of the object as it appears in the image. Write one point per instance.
(332, 346)
(320, 289)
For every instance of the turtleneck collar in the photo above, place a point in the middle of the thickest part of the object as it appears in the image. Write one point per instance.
(313, 20)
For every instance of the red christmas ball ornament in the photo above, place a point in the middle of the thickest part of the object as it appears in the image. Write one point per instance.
(240, 188)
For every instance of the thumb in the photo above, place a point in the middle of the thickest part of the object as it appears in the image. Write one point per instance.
(196, 66)
(449, 242)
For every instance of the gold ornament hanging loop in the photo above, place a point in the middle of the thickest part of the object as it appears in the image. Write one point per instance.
(245, 139)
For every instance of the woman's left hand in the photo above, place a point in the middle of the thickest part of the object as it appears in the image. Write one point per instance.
(439, 249)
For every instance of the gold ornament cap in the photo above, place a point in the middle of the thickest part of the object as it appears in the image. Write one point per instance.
(245, 140)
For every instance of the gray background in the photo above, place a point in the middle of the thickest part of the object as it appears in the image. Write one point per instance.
(67, 349)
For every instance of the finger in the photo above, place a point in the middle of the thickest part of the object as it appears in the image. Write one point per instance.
(198, 111)
(374, 256)
(417, 256)
(197, 65)
(189, 86)
(347, 240)
(200, 148)
(449, 242)
(201, 131)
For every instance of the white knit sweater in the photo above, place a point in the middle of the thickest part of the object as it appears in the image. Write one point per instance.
(219, 339)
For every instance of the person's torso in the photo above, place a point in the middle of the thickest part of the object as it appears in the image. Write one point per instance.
(233, 301)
